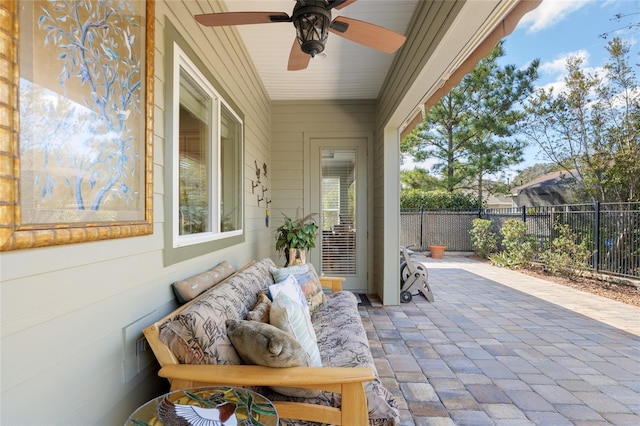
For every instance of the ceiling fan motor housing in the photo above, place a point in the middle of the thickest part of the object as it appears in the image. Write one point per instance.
(312, 20)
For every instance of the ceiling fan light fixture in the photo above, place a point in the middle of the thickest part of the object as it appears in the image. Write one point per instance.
(312, 21)
(312, 27)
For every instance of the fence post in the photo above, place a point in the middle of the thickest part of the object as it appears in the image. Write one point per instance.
(524, 214)
(596, 235)
(421, 228)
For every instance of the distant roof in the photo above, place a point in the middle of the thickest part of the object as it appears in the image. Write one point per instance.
(549, 179)
(498, 200)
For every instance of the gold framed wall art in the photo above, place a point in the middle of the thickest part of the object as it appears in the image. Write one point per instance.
(76, 121)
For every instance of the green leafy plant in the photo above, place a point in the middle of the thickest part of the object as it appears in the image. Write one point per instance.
(520, 249)
(483, 240)
(565, 255)
(297, 234)
(439, 200)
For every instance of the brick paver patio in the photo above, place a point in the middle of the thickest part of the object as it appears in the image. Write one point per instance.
(502, 348)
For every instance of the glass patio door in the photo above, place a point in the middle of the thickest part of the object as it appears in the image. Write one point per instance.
(339, 179)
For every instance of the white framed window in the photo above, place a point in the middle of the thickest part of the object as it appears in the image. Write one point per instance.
(206, 155)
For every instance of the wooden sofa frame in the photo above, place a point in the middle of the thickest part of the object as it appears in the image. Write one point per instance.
(349, 382)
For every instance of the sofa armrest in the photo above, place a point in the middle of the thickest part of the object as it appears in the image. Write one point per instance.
(345, 381)
(333, 283)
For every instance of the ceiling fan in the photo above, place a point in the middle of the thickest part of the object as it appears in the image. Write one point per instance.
(312, 20)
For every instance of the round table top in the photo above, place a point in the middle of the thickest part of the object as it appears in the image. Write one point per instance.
(206, 406)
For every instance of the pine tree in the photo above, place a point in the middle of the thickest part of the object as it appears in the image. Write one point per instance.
(470, 130)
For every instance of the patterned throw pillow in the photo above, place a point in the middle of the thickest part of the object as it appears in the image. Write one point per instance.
(261, 310)
(290, 287)
(308, 281)
(289, 316)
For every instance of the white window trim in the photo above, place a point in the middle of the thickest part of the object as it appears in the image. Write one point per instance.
(181, 60)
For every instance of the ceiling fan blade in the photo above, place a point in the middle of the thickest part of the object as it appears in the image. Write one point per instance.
(341, 4)
(367, 34)
(241, 18)
(298, 60)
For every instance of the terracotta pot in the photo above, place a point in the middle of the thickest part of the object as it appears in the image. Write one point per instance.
(296, 257)
(437, 251)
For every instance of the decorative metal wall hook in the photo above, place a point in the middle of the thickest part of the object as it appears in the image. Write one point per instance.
(264, 169)
(254, 185)
(268, 201)
(260, 199)
(264, 189)
(258, 171)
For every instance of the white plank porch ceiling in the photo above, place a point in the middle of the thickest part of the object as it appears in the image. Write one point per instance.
(349, 70)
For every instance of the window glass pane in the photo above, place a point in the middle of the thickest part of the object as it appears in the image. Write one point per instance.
(330, 203)
(194, 157)
(338, 211)
(230, 166)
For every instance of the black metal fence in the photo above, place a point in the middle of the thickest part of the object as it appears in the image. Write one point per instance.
(611, 230)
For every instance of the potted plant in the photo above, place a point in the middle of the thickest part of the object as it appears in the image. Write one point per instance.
(295, 237)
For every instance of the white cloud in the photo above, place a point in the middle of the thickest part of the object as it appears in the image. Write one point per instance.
(559, 65)
(550, 13)
(558, 86)
(410, 164)
(554, 72)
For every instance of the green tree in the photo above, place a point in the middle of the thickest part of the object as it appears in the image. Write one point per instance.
(591, 129)
(492, 156)
(419, 178)
(469, 131)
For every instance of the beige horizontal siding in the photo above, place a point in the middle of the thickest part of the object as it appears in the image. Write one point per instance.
(291, 120)
(63, 308)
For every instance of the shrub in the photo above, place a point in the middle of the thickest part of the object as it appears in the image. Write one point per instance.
(438, 200)
(519, 248)
(565, 255)
(483, 240)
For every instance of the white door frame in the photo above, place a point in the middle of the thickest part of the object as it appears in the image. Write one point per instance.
(345, 139)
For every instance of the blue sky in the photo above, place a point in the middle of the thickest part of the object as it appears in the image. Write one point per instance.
(559, 28)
